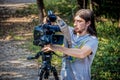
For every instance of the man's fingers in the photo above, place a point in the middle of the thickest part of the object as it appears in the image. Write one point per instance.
(46, 49)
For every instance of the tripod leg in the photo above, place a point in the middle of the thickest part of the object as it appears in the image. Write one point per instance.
(46, 74)
(40, 73)
(55, 73)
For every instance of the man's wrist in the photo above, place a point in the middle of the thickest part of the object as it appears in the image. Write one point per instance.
(56, 48)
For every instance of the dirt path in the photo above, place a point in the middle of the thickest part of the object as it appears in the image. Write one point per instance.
(13, 63)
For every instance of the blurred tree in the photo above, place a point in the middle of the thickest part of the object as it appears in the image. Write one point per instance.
(90, 5)
(41, 9)
(85, 4)
(82, 3)
(108, 8)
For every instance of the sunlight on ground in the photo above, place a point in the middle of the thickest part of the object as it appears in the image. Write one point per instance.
(22, 63)
(15, 5)
(8, 74)
(23, 19)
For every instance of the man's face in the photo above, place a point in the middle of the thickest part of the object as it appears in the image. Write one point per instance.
(80, 24)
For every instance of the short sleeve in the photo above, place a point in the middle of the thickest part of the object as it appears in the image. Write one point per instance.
(93, 44)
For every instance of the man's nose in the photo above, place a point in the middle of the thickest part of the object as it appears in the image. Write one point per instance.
(74, 23)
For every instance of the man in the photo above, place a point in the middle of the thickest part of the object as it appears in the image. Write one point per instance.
(83, 48)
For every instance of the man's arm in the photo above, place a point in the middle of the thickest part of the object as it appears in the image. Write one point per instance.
(76, 52)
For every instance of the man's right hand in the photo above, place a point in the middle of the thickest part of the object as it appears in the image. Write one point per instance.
(47, 48)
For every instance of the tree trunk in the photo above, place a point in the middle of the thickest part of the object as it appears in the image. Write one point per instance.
(82, 3)
(41, 9)
(90, 4)
(119, 21)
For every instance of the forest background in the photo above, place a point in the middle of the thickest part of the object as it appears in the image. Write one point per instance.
(106, 65)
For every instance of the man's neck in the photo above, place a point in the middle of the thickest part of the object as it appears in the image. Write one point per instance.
(82, 33)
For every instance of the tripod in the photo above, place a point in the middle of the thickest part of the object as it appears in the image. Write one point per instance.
(46, 67)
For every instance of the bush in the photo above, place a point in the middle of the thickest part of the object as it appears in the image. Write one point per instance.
(106, 65)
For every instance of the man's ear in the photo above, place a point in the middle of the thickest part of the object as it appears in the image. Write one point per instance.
(88, 23)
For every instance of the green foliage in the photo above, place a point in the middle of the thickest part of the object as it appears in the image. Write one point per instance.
(63, 8)
(106, 65)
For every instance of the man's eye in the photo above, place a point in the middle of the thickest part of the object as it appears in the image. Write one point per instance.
(79, 21)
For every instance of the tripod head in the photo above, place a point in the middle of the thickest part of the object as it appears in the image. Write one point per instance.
(46, 57)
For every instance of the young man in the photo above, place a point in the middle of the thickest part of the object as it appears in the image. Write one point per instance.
(83, 48)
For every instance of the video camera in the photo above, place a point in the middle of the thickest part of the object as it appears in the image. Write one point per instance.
(45, 34)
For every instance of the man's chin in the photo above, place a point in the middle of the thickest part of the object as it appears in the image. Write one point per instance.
(76, 31)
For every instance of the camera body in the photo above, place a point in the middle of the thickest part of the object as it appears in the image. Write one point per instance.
(44, 35)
